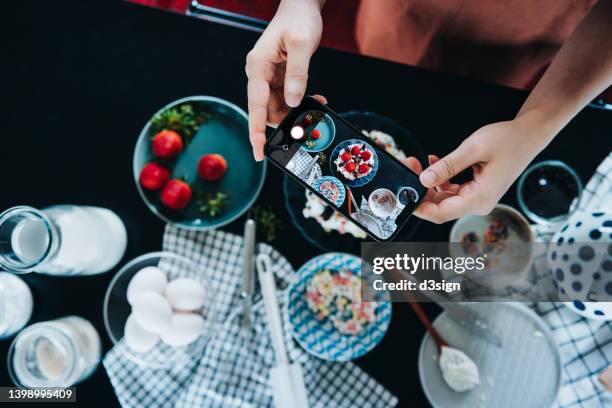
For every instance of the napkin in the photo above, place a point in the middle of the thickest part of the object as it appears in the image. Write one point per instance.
(232, 370)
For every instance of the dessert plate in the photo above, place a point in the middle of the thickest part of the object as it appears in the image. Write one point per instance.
(320, 337)
(526, 372)
(323, 185)
(358, 182)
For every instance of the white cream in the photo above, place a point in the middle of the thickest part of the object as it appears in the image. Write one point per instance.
(458, 370)
(315, 207)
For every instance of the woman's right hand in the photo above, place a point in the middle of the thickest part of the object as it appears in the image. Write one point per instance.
(277, 66)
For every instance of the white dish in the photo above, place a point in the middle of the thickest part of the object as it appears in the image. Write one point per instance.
(526, 372)
(382, 202)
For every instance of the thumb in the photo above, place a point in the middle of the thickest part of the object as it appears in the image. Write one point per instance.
(296, 73)
(447, 167)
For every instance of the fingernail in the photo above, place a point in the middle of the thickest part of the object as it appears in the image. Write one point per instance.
(428, 178)
(293, 99)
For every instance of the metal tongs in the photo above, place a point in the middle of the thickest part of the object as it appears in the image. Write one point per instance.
(248, 270)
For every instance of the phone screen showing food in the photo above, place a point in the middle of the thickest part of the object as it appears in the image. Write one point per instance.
(363, 182)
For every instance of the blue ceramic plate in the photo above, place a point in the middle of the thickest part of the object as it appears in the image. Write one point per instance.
(359, 181)
(318, 184)
(328, 131)
(226, 133)
(319, 337)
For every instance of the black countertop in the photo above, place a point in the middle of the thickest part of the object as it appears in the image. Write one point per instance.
(79, 79)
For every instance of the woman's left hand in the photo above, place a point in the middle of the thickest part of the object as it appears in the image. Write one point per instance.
(497, 153)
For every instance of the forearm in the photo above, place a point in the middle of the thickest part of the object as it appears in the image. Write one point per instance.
(581, 70)
(316, 3)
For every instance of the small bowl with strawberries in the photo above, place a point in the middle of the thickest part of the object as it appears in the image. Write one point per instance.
(193, 164)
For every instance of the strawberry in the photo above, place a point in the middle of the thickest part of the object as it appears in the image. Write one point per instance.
(355, 150)
(212, 167)
(307, 121)
(315, 134)
(153, 176)
(167, 144)
(366, 154)
(346, 156)
(176, 195)
(363, 168)
(350, 167)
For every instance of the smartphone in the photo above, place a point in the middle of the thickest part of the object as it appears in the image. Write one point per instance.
(337, 162)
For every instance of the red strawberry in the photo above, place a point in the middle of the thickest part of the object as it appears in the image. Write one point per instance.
(176, 195)
(212, 167)
(153, 176)
(167, 144)
(346, 156)
(315, 134)
(307, 120)
(366, 154)
(363, 168)
(355, 150)
(350, 167)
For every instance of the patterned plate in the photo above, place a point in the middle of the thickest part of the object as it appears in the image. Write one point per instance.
(342, 192)
(319, 337)
(359, 181)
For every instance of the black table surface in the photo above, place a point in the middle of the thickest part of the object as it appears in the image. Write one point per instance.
(80, 78)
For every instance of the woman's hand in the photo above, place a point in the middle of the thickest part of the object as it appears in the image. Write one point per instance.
(277, 66)
(497, 153)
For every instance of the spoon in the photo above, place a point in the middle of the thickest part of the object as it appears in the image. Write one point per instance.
(435, 335)
(458, 370)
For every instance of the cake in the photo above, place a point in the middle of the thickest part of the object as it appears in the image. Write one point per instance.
(355, 161)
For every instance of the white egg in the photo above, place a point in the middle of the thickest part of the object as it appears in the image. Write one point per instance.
(152, 311)
(147, 279)
(185, 294)
(137, 338)
(184, 329)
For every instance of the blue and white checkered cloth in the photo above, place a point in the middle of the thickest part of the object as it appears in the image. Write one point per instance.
(585, 344)
(233, 369)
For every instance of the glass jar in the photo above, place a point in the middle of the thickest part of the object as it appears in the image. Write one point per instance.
(61, 240)
(57, 353)
(15, 304)
(548, 192)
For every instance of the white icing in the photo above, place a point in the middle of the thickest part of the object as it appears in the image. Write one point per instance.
(458, 370)
(315, 207)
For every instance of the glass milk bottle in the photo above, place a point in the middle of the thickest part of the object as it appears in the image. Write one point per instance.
(15, 304)
(61, 240)
(57, 353)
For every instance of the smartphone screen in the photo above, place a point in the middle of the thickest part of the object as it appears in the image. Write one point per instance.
(348, 170)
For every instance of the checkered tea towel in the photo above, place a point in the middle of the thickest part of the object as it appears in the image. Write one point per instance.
(304, 165)
(585, 344)
(232, 367)
(387, 225)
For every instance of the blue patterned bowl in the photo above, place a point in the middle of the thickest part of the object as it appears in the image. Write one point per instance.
(580, 261)
(320, 337)
(342, 191)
